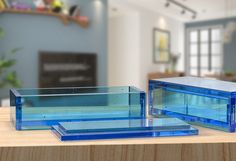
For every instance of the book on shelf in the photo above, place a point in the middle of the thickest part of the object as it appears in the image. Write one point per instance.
(74, 11)
(6, 3)
(2, 5)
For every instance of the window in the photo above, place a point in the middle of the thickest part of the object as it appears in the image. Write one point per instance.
(204, 51)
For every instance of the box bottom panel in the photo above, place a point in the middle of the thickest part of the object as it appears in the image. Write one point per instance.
(218, 114)
(82, 112)
(34, 118)
(205, 122)
(120, 135)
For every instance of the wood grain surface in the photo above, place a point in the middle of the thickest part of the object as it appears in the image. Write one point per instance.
(210, 145)
(171, 152)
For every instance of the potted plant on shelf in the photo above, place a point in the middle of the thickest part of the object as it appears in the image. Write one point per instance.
(8, 77)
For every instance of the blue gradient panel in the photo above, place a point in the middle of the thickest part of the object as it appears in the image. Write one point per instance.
(114, 129)
(202, 101)
(42, 108)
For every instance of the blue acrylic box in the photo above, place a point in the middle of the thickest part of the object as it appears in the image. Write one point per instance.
(41, 108)
(202, 101)
(116, 129)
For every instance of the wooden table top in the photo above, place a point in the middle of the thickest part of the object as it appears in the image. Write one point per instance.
(9, 137)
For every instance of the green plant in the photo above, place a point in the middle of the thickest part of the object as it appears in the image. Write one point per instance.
(7, 76)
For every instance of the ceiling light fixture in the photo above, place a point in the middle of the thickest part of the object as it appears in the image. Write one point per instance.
(114, 9)
(167, 4)
(184, 8)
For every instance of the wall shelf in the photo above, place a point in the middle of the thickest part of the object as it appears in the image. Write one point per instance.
(64, 18)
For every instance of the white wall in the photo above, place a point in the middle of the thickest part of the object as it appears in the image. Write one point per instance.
(149, 21)
(124, 52)
(131, 46)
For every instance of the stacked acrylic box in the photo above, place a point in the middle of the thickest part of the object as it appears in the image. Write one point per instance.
(41, 108)
(91, 113)
(205, 102)
(119, 112)
(130, 128)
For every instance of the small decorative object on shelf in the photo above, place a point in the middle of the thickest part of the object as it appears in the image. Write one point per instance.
(55, 8)
(42, 108)
(75, 11)
(2, 6)
(174, 57)
(83, 19)
(40, 5)
(202, 101)
(114, 129)
(20, 5)
(55, 5)
(64, 18)
(7, 4)
(65, 9)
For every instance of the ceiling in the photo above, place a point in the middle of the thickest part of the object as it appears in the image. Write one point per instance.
(206, 9)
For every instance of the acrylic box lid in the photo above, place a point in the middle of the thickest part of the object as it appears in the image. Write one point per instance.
(123, 125)
(206, 83)
(114, 129)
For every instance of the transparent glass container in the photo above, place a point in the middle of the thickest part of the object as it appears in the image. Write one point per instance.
(42, 108)
(115, 129)
(202, 101)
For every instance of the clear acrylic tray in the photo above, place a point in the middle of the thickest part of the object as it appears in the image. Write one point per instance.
(202, 101)
(42, 108)
(113, 129)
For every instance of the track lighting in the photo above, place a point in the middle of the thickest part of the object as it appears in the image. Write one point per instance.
(194, 16)
(184, 8)
(167, 4)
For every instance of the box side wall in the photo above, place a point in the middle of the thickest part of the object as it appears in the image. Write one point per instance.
(218, 98)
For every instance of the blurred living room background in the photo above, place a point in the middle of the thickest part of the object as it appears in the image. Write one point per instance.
(77, 43)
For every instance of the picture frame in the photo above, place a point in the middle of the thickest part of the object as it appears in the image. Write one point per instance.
(161, 46)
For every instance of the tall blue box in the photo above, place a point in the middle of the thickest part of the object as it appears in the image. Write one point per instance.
(202, 101)
(34, 109)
